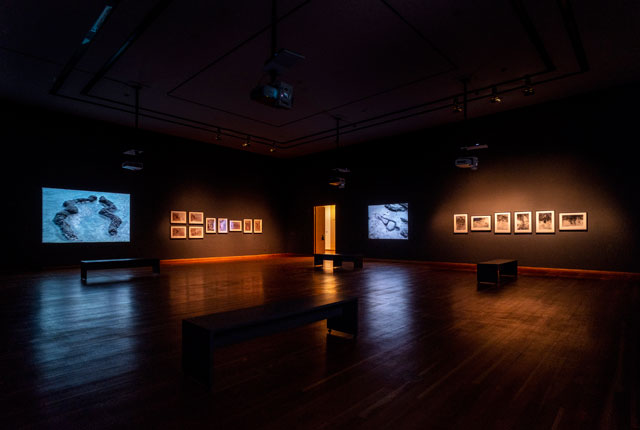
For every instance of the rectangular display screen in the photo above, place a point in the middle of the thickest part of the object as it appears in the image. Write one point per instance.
(72, 216)
(390, 221)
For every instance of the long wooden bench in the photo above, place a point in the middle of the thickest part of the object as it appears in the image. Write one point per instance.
(493, 271)
(338, 259)
(119, 263)
(203, 334)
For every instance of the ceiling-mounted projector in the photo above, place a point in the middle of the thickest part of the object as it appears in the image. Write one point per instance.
(467, 163)
(277, 94)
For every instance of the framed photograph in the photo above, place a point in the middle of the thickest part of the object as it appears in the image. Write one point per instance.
(545, 222)
(502, 222)
(460, 223)
(522, 222)
(572, 221)
(247, 225)
(235, 225)
(178, 217)
(196, 217)
(257, 226)
(210, 225)
(480, 222)
(196, 232)
(178, 231)
(223, 225)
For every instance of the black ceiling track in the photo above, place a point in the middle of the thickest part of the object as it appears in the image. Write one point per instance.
(398, 115)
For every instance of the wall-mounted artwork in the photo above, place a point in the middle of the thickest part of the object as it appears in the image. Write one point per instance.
(572, 221)
(210, 225)
(223, 225)
(257, 226)
(178, 217)
(390, 221)
(196, 217)
(460, 224)
(73, 216)
(502, 222)
(178, 232)
(480, 222)
(247, 225)
(545, 222)
(235, 225)
(522, 222)
(196, 232)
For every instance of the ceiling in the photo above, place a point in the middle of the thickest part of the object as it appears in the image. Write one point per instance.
(373, 68)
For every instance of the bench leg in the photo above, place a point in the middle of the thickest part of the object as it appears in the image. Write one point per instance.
(197, 353)
(348, 321)
(317, 261)
(357, 263)
(156, 266)
(83, 274)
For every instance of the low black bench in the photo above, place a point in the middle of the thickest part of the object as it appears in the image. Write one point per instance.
(120, 263)
(338, 259)
(201, 335)
(493, 271)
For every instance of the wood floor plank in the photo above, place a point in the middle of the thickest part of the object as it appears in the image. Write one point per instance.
(432, 352)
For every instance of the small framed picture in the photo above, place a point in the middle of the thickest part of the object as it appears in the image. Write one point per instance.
(235, 225)
(196, 217)
(480, 222)
(502, 222)
(572, 221)
(223, 225)
(545, 222)
(178, 217)
(247, 225)
(210, 225)
(257, 226)
(178, 232)
(522, 222)
(196, 232)
(460, 223)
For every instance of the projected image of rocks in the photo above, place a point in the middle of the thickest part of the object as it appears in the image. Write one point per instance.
(390, 221)
(70, 216)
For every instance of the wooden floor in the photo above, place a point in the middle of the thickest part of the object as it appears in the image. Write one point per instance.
(432, 353)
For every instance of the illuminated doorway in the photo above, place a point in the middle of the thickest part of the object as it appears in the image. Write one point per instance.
(324, 238)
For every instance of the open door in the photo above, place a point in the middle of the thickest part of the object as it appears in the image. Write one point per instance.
(324, 226)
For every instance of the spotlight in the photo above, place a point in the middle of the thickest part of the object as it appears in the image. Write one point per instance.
(495, 98)
(457, 107)
(247, 143)
(273, 147)
(528, 89)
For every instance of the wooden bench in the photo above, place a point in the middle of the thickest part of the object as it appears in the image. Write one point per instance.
(493, 271)
(201, 335)
(120, 263)
(338, 259)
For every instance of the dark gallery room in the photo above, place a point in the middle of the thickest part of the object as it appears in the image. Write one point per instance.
(332, 214)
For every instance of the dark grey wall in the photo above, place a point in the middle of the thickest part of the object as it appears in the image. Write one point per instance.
(44, 149)
(574, 155)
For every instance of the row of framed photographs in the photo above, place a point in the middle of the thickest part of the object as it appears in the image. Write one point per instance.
(522, 222)
(216, 225)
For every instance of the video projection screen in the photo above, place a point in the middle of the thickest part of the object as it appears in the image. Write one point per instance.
(72, 216)
(390, 221)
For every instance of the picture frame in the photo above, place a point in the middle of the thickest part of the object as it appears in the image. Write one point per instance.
(210, 225)
(178, 231)
(522, 222)
(247, 225)
(257, 225)
(572, 221)
(545, 222)
(223, 225)
(196, 217)
(502, 222)
(460, 223)
(196, 232)
(235, 225)
(178, 217)
(480, 222)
